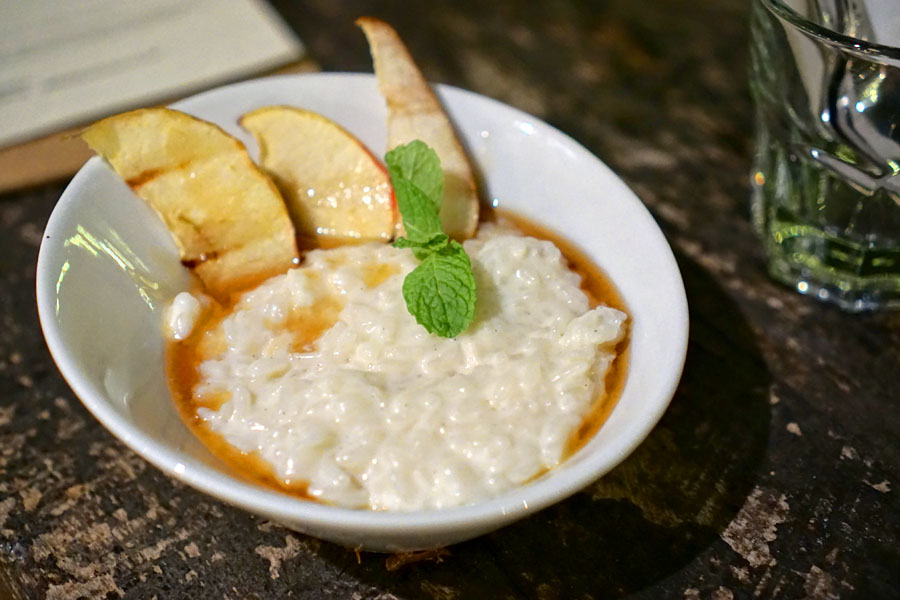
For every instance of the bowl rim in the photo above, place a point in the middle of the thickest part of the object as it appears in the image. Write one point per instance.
(504, 508)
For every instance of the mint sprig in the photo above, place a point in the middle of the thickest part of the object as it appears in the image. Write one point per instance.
(420, 217)
(440, 292)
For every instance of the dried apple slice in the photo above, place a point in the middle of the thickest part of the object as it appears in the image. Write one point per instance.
(227, 217)
(415, 113)
(335, 189)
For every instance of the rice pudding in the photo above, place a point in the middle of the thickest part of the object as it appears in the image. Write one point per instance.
(321, 379)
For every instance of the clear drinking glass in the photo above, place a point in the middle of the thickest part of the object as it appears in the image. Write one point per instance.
(826, 178)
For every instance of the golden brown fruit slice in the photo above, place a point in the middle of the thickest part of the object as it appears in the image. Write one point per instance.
(415, 113)
(335, 190)
(228, 219)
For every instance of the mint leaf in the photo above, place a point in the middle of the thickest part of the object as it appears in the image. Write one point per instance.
(435, 243)
(440, 292)
(420, 218)
(419, 165)
(422, 250)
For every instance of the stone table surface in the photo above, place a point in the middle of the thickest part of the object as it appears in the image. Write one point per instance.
(775, 473)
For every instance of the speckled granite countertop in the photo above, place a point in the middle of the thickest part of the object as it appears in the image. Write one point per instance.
(775, 472)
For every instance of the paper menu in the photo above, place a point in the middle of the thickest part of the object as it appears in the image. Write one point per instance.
(63, 63)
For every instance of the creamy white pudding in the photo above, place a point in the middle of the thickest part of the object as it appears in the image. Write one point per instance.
(324, 375)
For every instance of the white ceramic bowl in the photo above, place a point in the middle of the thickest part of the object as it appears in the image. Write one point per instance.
(108, 267)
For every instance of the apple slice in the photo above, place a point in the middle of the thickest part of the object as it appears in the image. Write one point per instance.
(415, 113)
(335, 189)
(227, 217)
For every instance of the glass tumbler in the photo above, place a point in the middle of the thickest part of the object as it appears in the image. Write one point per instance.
(826, 175)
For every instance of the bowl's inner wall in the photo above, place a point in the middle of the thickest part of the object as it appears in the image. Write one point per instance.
(117, 269)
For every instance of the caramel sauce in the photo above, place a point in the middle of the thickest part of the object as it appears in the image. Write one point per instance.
(308, 323)
(600, 291)
(182, 361)
(375, 275)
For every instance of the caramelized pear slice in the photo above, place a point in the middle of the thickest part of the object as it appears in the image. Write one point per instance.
(415, 113)
(228, 219)
(335, 189)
